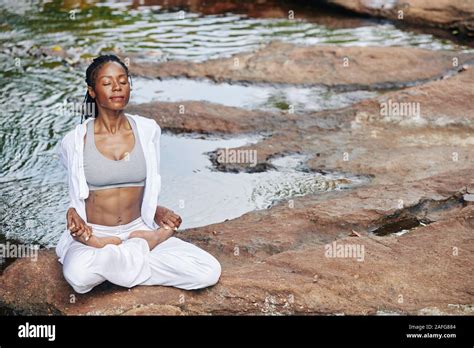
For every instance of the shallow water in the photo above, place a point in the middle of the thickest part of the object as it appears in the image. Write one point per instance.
(35, 80)
(254, 96)
(191, 181)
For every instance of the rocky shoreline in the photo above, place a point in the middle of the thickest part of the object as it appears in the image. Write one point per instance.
(414, 219)
(454, 15)
(344, 68)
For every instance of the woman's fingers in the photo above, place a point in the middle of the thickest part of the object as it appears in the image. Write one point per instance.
(177, 220)
(73, 228)
(70, 223)
(169, 229)
(90, 231)
(85, 233)
(173, 219)
(169, 218)
(170, 223)
(80, 231)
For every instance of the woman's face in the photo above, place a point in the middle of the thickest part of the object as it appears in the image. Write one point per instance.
(112, 90)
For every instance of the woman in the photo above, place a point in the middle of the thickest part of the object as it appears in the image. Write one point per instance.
(115, 229)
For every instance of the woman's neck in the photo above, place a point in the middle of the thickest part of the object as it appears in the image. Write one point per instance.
(111, 121)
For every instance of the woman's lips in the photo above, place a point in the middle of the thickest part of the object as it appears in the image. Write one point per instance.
(117, 99)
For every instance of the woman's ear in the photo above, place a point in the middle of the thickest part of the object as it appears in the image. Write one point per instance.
(91, 92)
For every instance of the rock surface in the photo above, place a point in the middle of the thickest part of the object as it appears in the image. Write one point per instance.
(281, 265)
(448, 14)
(411, 220)
(344, 67)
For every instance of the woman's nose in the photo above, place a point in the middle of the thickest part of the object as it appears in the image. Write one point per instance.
(116, 86)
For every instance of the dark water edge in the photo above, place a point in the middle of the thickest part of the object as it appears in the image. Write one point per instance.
(439, 33)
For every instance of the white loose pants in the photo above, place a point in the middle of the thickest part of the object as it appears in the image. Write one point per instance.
(173, 262)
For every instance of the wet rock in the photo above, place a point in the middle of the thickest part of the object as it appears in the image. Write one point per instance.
(425, 105)
(449, 14)
(205, 117)
(431, 135)
(344, 67)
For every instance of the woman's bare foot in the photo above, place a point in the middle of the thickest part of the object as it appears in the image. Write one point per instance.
(100, 242)
(153, 237)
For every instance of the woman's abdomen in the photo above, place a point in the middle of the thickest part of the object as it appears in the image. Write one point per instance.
(116, 206)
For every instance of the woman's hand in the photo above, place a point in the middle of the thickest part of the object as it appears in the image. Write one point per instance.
(77, 226)
(167, 217)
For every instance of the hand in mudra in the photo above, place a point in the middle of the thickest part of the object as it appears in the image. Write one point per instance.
(167, 217)
(79, 230)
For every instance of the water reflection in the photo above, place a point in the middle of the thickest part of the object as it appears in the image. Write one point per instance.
(254, 96)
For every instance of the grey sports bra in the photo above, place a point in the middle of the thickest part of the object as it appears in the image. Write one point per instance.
(103, 173)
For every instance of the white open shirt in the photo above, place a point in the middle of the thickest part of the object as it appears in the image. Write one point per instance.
(71, 154)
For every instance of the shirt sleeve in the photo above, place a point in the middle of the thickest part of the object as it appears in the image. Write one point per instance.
(157, 141)
(62, 154)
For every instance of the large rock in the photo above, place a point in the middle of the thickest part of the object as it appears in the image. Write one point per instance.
(447, 102)
(345, 67)
(206, 117)
(275, 261)
(448, 14)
